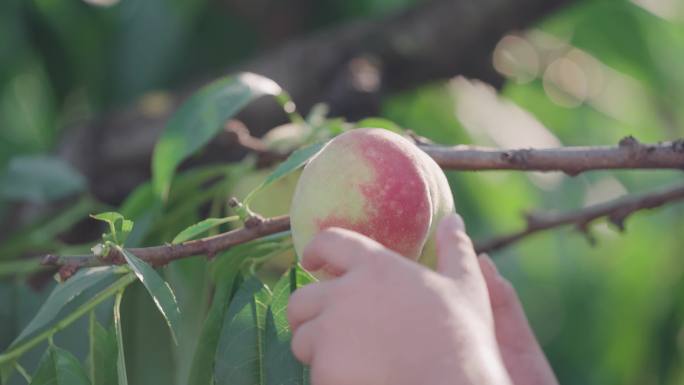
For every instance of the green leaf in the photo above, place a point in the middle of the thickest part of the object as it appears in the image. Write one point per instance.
(158, 288)
(201, 227)
(103, 354)
(296, 160)
(281, 366)
(111, 218)
(200, 118)
(62, 295)
(146, 339)
(59, 367)
(39, 178)
(121, 373)
(189, 279)
(230, 262)
(119, 227)
(201, 372)
(380, 123)
(225, 270)
(239, 355)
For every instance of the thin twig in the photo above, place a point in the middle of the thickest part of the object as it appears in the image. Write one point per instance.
(162, 255)
(242, 137)
(615, 211)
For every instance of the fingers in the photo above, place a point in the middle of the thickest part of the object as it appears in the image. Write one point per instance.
(501, 294)
(338, 251)
(455, 254)
(306, 303)
(512, 328)
(303, 342)
(523, 357)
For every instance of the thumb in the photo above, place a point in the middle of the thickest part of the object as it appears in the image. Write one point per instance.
(456, 257)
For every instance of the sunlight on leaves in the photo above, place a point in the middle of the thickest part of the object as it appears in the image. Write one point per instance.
(200, 118)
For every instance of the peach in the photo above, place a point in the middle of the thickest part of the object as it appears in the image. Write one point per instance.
(377, 183)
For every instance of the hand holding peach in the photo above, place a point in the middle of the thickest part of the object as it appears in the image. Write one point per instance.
(387, 320)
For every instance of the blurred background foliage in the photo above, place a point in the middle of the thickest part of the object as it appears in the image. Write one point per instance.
(590, 74)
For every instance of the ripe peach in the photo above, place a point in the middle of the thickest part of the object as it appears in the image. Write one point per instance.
(377, 183)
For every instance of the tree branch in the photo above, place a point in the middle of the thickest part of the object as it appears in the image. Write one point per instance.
(616, 211)
(162, 255)
(629, 154)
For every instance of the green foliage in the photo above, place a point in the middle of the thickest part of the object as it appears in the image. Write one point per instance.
(159, 290)
(119, 227)
(63, 295)
(202, 369)
(102, 358)
(59, 367)
(239, 355)
(39, 179)
(201, 227)
(200, 118)
(293, 162)
(604, 315)
(281, 366)
(121, 374)
(148, 345)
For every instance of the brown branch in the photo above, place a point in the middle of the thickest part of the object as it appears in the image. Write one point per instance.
(616, 211)
(629, 154)
(162, 255)
(244, 139)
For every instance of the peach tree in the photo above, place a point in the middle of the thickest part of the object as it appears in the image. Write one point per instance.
(207, 250)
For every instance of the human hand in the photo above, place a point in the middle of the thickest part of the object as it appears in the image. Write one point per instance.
(522, 355)
(387, 320)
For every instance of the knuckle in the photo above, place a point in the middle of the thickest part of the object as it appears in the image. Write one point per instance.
(330, 234)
